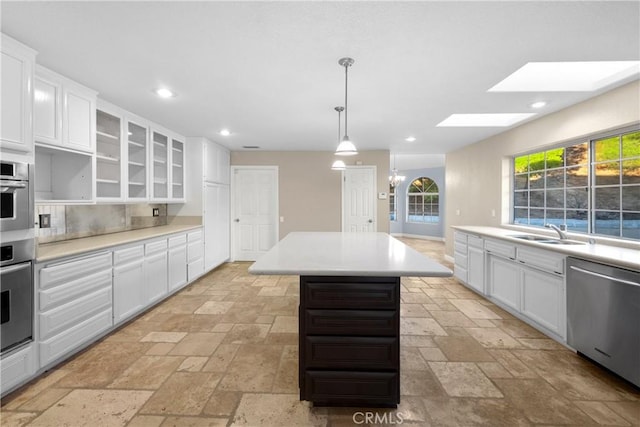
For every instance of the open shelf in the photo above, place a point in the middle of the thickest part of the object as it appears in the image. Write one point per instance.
(105, 158)
(107, 181)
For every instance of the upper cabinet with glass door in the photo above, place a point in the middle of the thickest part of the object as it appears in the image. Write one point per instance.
(65, 112)
(109, 155)
(160, 151)
(137, 160)
(177, 170)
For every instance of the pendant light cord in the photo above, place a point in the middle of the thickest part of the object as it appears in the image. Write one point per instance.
(346, 68)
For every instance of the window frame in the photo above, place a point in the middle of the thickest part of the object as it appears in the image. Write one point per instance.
(591, 186)
(422, 194)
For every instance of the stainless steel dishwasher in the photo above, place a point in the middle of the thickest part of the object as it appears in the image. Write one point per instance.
(603, 314)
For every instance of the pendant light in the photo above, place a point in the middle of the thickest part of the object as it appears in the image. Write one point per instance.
(346, 147)
(394, 178)
(338, 165)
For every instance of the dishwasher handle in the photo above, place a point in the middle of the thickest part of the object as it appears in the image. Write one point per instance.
(604, 276)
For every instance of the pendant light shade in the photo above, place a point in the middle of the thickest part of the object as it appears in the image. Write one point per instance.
(338, 165)
(394, 178)
(346, 147)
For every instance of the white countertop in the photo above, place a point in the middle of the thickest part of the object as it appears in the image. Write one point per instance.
(607, 254)
(50, 251)
(345, 254)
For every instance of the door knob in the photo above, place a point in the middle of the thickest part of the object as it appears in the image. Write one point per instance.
(237, 220)
(370, 221)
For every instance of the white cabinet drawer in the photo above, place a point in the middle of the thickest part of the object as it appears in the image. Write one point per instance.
(79, 267)
(64, 317)
(459, 237)
(177, 240)
(194, 236)
(153, 247)
(460, 248)
(461, 273)
(69, 340)
(499, 248)
(123, 256)
(461, 260)
(476, 242)
(49, 298)
(194, 251)
(17, 366)
(545, 260)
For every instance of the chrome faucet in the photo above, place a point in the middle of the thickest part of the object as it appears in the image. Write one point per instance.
(560, 230)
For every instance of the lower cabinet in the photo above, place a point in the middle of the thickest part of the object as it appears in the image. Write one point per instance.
(177, 267)
(504, 281)
(128, 290)
(17, 366)
(543, 299)
(475, 270)
(350, 340)
(195, 255)
(155, 276)
(74, 304)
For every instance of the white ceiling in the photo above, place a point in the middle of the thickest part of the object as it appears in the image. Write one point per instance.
(269, 70)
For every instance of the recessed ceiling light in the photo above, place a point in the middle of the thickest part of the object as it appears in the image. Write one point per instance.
(163, 92)
(538, 104)
(567, 76)
(484, 119)
(410, 139)
(251, 147)
(225, 132)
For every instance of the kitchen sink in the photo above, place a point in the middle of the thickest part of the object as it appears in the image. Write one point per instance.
(561, 242)
(531, 237)
(546, 240)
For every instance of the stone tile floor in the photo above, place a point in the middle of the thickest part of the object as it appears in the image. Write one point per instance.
(223, 351)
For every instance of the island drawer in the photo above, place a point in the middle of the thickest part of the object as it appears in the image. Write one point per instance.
(355, 388)
(352, 322)
(344, 292)
(351, 352)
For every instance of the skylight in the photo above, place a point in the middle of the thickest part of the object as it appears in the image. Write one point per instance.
(484, 119)
(567, 76)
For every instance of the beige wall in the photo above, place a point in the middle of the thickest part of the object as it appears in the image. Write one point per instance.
(310, 193)
(477, 176)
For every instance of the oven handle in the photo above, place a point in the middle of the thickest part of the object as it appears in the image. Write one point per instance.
(6, 185)
(12, 268)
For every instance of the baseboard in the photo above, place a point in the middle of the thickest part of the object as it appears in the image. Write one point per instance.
(449, 258)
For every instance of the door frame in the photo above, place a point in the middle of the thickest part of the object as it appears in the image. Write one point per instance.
(373, 194)
(232, 190)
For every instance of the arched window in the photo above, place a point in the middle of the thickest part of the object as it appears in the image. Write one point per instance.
(423, 201)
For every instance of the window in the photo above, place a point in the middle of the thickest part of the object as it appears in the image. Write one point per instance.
(393, 210)
(593, 187)
(423, 201)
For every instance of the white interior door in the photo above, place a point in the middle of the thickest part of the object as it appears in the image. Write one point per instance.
(255, 211)
(359, 199)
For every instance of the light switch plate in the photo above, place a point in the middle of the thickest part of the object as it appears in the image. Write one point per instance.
(156, 211)
(44, 220)
(382, 195)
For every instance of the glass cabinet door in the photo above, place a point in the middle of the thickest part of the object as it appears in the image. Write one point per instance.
(177, 169)
(160, 166)
(108, 156)
(137, 165)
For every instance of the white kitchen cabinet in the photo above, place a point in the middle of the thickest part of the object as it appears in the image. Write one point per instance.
(137, 172)
(475, 271)
(63, 176)
(16, 80)
(217, 163)
(128, 282)
(159, 165)
(504, 281)
(177, 170)
(216, 224)
(65, 112)
(544, 300)
(156, 270)
(177, 261)
(17, 366)
(74, 304)
(110, 154)
(460, 266)
(195, 255)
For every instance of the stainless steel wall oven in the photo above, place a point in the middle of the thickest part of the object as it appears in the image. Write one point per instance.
(16, 293)
(16, 205)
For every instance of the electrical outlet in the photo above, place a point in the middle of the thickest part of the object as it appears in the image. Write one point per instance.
(44, 220)
(156, 211)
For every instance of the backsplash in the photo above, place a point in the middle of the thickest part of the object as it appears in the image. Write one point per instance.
(75, 221)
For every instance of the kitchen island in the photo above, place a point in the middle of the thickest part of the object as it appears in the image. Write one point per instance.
(349, 313)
